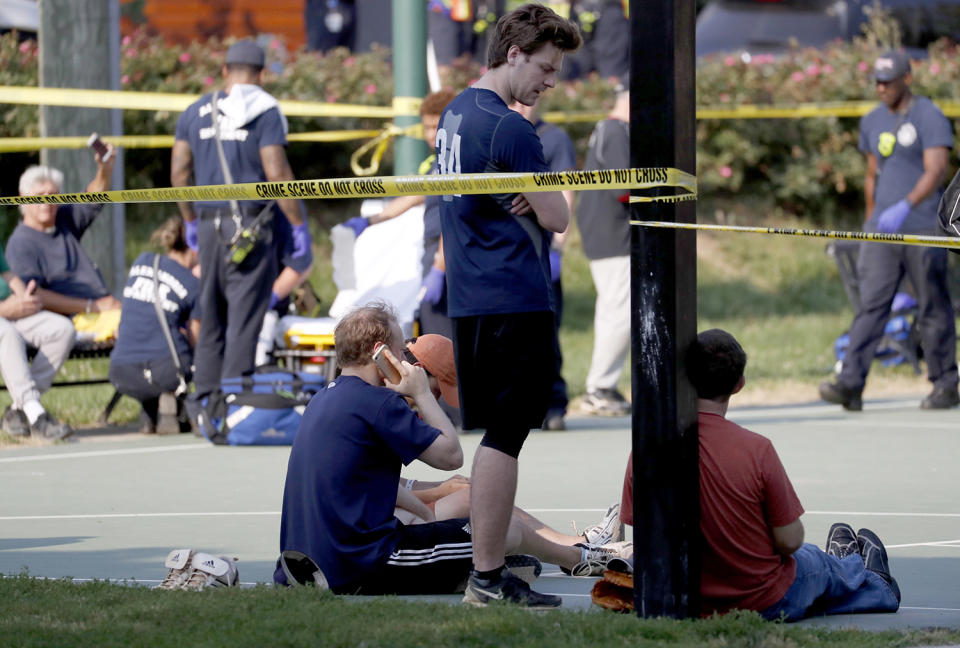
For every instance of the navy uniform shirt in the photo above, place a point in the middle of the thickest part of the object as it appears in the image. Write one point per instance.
(139, 337)
(342, 478)
(496, 262)
(898, 142)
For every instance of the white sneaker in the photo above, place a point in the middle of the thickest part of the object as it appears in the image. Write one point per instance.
(210, 571)
(609, 529)
(594, 562)
(179, 566)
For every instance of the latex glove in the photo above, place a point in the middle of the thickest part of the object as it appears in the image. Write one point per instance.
(190, 233)
(357, 224)
(301, 240)
(273, 300)
(893, 216)
(433, 285)
(555, 264)
(902, 301)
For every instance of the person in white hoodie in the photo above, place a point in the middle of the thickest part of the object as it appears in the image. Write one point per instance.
(246, 143)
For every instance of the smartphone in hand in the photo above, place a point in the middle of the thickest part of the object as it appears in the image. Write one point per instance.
(387, 368)
(98, 146)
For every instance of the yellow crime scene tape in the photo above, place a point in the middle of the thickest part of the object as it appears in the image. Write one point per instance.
(802, 111)
(873, 237)
(384, 186)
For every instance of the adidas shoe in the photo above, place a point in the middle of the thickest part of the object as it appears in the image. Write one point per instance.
(509, 589)
(178, 563)
(842, 541)
(526, 568)
(609, 529)
(210, 571)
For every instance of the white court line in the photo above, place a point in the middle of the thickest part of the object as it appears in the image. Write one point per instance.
(933, 609)
(885, 514)
(936, 543)
(912, 425)
(105, 453)
(17, 518)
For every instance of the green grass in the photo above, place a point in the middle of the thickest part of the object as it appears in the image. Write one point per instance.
(58, 613)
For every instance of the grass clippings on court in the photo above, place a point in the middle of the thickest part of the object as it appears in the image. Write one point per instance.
(39, 612)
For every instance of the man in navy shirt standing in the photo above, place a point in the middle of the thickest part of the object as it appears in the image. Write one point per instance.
(906, 141)
(235, 293)
(499, 294)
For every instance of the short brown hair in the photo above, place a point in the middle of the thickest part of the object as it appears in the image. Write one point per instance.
(171, 236)
(529, 28)
(358, 332)
(715, 364)
(435, 102)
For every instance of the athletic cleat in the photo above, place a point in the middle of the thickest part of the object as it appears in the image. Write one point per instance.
(509, 589)
(842, 541)
(300, 569)
(875, 558)
(210, 571)
(594, 561)
(609, 529)
(526, 568)
(178, 563)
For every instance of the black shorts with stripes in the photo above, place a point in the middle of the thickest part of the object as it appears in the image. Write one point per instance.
(432, 558)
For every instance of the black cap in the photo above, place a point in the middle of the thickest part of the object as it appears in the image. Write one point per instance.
(246, 52)
(890, 66)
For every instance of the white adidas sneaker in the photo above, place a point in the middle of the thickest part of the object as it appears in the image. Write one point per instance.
(211, 571)
(179, 565)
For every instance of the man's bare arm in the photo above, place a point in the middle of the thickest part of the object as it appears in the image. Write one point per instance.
(67, 305)
(787, 539)
(934, 168)
(869, 185)
(277, 169)
(181, 174)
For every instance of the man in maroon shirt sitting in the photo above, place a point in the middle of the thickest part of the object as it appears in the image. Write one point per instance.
(754, 557)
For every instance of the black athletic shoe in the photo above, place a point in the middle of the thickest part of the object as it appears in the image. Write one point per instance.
(941, 398)
(875, 558)
(525, 567)
(14, 422)
(510, 589)
(850, 399)
(842, 541)
(49, 428)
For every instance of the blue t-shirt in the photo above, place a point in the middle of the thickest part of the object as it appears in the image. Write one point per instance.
(558, 149)
(496, 262)
(57, 261)
(241, 147)
(139, 337)
(4, 286)
(342, 477)
(922, 127)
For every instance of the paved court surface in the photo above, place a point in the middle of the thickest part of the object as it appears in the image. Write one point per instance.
(111, 505)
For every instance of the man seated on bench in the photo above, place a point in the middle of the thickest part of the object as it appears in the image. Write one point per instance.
(45, 247)
(22, 322)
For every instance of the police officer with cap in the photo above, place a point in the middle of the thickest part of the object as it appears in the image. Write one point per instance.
(240, 137)
(906, 141)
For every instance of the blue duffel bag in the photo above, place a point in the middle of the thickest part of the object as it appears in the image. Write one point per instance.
(264, 408)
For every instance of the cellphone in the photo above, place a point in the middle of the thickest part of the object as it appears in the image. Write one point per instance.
(386, 367)
(97, 145)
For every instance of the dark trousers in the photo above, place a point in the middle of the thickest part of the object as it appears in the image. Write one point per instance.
(233, 301)
(880, 268)
(145, 381)
(558, 393)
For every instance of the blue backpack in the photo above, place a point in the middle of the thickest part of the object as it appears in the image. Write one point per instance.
(264, 408)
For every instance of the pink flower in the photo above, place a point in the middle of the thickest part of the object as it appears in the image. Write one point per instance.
(274, 44)
(184, 57)
(24, 47)
(934, 68)
(862, 66)
(208, 80)
(483, 70)
(729, 61)
(131, 53)
(370, 89)
(812, 70)
(827, 69)
(726, 171)
(125, 79)
(349, 61)
(126, 40)
(724, 97)
(797, 77)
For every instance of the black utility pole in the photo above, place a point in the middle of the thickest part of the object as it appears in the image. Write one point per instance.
(664, 316)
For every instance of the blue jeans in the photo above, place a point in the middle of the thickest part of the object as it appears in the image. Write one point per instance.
(826, 585)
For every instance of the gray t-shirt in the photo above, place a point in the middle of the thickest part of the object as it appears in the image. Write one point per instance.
(603, 216)
(904, 137)
(56, 260)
